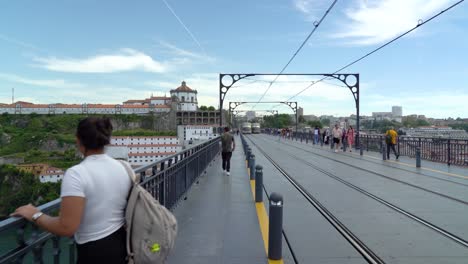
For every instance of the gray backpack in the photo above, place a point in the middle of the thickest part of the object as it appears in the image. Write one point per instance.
(151, 228)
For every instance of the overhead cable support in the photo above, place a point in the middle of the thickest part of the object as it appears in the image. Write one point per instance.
(420, 23)
(316, 25)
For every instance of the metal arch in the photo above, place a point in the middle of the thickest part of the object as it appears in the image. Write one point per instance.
(353, 87)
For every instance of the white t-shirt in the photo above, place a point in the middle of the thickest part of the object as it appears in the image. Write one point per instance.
(105, 185)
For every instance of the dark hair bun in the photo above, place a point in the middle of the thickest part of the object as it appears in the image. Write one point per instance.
(94, 132)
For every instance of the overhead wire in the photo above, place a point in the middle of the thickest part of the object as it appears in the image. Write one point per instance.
(316, 25)
(420, 23)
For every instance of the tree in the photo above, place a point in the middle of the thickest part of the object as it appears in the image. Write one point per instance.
(203, 108)
(211, 108)
(325, 121)
(315, 123)
(277, 121)
(301, 119)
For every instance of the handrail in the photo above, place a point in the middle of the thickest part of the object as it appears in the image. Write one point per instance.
(170, 180)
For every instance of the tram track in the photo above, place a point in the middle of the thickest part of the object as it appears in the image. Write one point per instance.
(382, 175)
(360, 246)
(394, 207)
(393, 167)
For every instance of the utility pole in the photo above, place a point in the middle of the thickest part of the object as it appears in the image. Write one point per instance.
(12, 95)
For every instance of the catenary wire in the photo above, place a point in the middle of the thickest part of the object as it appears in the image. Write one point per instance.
(316, 25)
(420, 23)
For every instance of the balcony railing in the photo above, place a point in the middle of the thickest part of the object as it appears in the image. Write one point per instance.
(167, 180)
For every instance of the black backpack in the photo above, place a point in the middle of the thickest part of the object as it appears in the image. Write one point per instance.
(388, 139)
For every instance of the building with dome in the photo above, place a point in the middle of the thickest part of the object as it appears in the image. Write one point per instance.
(186, 97)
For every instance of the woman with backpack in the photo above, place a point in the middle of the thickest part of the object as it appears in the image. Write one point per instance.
(94, 197)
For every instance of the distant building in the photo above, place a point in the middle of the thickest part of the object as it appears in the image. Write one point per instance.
(51, 174)
(300, 111)
(196, 132)
(43, 172)
(144, 150)
(186, 97)
(397, 111)
(197, 118)
(396, 114)
(250, 115)
(435, 131)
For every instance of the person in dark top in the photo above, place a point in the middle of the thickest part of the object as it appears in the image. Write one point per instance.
(228, 146)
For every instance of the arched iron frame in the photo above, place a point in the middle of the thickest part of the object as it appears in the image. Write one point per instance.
(292, 105)
(227, 80)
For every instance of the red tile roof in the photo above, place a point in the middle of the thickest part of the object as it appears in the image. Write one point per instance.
(184, 88)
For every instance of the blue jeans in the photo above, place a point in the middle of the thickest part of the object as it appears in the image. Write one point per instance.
(316, 139)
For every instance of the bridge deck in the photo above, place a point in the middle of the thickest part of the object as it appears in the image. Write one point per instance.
(403, 214)
(437, 195)
(218, 222)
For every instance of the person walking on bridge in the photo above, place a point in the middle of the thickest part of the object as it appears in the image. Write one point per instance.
(391, 140)
(337, 133)
(228, 145)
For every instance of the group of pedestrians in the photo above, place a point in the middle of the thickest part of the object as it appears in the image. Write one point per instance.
(342, 136)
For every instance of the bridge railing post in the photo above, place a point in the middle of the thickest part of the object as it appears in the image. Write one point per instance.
(384, 150)
(258, 184)
(252, 167)
(275, 227)
(418, 157)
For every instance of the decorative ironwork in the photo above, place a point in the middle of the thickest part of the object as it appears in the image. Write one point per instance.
(350, 80)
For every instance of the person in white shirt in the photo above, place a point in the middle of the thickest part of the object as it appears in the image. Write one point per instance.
(94, 197)
(337, 133)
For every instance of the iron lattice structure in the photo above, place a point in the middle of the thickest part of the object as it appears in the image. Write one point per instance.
(350, 80)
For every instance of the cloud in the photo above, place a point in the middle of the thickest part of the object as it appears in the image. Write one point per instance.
(376, 21)
(19, 42)
(124, 60)
(310, 8)
(178, 52)
(56, 83)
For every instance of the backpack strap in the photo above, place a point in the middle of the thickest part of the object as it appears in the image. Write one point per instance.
(135, 180)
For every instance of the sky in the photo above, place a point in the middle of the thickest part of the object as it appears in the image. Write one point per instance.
(111, 51)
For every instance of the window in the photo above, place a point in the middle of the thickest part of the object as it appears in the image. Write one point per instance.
(183, 98)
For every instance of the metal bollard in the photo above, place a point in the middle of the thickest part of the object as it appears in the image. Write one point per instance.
(247, 157)
(258, 184)
(252, 167)
(361, 150)
(384, 151)
(275, 227)
(418, 157)
(345, 143)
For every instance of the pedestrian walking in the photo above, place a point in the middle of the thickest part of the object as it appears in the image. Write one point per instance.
(94, 197)
(228, 145)
(391, 140)
(350, 138)
(316, 134)
(337, 133)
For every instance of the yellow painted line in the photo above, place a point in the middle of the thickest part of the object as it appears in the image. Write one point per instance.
(263, 221)
(423, 168)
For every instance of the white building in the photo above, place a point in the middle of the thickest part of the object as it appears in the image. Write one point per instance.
(196, 132)
(51, 174)
(397, 111)
(144, 150)
(186, 97)
(250, 115)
